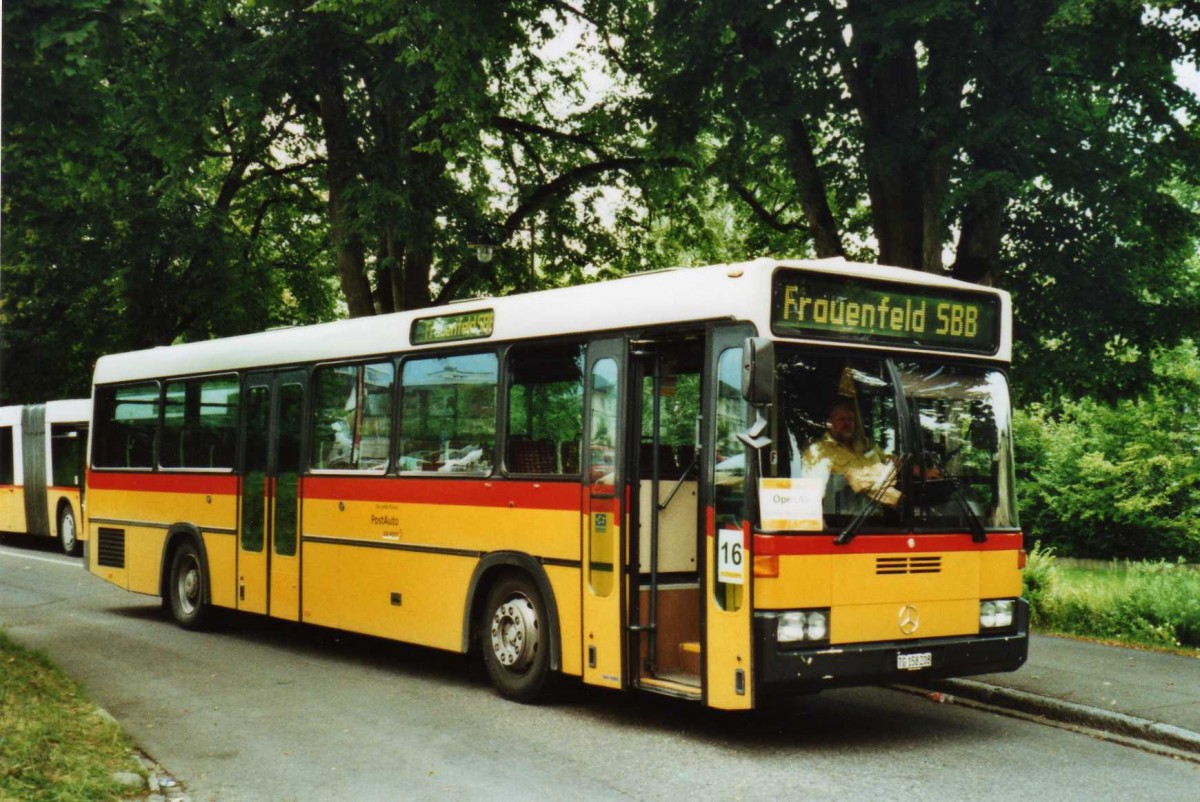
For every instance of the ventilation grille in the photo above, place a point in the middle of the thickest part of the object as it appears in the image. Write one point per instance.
(110, 548)
(924, 564)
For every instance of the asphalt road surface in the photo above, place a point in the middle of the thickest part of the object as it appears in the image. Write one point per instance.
(265, 710)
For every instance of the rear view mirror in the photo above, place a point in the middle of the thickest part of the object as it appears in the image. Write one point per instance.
(758, 370)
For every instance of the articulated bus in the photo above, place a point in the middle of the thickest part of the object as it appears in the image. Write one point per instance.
(42, 450)
(635, 482)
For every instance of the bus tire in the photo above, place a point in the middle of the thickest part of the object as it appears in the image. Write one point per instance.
(185, 588)
(68, 532)
(515, 638)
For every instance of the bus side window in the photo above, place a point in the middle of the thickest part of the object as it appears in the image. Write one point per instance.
(200, 423)
(448, 414)
(7, 472)
(545, 409)
(352, 428)
(126, 424)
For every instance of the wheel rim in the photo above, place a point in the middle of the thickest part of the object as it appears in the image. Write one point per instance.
(515, 633)
(187, 585)
(66, 529)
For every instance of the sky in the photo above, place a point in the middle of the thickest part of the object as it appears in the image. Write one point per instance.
(1187, 76)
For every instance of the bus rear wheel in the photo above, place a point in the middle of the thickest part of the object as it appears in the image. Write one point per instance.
(185, 588)
(68, 534)
(515, 641)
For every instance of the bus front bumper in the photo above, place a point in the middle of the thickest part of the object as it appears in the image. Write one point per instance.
(783, 670)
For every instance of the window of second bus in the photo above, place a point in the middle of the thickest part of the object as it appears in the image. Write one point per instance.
(7, 452)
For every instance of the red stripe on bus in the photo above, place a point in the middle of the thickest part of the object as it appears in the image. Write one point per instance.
(790, 545)
(454, 492)
(469, 493)
(224, 484)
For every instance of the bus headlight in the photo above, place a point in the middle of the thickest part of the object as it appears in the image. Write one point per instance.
(802, 625)
(996, 613)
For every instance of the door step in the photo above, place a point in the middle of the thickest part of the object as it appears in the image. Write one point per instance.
(683, 687)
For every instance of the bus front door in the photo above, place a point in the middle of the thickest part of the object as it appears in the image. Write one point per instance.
(727, 560)
(665, 629)
(268, 538)
(604, 508)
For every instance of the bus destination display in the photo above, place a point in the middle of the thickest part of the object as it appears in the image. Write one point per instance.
(816, 305)
(447, 328)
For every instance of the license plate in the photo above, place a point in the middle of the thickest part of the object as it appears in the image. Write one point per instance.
(911, 662)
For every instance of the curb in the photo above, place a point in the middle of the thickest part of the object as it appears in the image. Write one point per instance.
(1070, 713)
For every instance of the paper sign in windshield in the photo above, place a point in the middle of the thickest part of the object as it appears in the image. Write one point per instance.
(791, 505)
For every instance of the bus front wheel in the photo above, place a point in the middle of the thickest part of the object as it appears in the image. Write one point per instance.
(185, 589)
(68, 534)
(515, 640)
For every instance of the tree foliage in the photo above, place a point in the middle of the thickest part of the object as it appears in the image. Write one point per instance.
(181, 170)
(1118, 479)
(1034, 145)
(148, 194)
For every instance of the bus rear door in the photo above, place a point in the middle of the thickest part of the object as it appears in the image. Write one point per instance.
(268, 540)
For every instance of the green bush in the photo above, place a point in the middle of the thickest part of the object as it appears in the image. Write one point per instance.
(1039, 579)
(1117, 481)
(1155, 603)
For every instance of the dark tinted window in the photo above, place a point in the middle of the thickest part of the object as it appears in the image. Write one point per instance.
(7, 473)
(545, 409)
(126, 420)
(200, 423)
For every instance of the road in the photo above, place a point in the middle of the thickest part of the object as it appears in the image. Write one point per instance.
(264, 710)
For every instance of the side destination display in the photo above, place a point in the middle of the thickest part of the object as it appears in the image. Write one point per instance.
(447, 328)
(818, 305)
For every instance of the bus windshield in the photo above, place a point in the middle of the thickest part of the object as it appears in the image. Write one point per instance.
(889, 445)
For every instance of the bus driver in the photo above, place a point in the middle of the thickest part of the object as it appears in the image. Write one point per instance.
(845, 451)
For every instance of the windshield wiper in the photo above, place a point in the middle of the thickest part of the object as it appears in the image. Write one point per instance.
(978, 532)
(847, 534)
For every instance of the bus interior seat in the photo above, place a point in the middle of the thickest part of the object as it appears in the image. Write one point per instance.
(531, 456)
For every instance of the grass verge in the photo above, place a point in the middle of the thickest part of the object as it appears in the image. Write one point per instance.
(54, 744)
(1149, 604)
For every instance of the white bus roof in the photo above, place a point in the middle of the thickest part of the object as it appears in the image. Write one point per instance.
(72, 410)
(716, 292)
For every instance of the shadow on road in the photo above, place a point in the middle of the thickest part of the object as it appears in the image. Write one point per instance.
(48, 545)
(852, 719)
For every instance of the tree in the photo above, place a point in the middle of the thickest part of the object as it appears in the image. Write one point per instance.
(1033, 143)
(444, 126)
(1121, 479)
(146, 198)
(184, 170)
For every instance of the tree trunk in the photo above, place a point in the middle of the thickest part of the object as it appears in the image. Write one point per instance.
(978, 255)
(886, 91)
(342, 158)
(813, 199)
(942, 123)
(801, 159)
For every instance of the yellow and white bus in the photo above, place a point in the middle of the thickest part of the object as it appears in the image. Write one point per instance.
(632, 482)
(42, 448)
